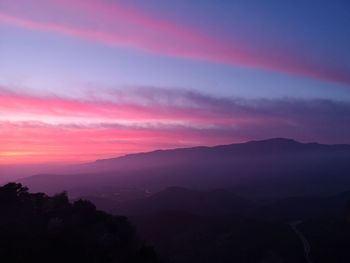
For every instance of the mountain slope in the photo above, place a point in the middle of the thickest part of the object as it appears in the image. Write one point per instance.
(275, 167)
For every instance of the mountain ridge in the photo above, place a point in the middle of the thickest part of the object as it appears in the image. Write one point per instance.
(281, 140)
(262, 168)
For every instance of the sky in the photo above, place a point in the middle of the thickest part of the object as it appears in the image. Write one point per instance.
(89, 79)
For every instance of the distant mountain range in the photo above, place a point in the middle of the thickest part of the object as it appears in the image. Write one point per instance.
(256, 169)
(229, 203)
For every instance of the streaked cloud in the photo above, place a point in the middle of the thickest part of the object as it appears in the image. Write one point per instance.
(117, 25)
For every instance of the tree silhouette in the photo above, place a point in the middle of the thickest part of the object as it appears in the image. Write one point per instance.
(37, 228)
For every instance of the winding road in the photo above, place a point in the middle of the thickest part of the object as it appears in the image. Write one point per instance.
(306, 244)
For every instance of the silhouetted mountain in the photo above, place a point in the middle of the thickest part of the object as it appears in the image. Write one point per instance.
(269, 168)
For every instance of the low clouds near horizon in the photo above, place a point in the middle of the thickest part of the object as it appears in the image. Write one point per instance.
(49, 128)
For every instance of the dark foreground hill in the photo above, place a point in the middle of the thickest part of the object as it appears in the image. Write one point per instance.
(183, 225)
(38, 228)
(270, 168)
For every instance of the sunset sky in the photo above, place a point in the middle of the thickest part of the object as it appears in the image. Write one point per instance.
(89, 79)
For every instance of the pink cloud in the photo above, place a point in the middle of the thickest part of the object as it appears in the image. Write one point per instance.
(147, 119)
(13, 105)
(118, 25)
(35, 142)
